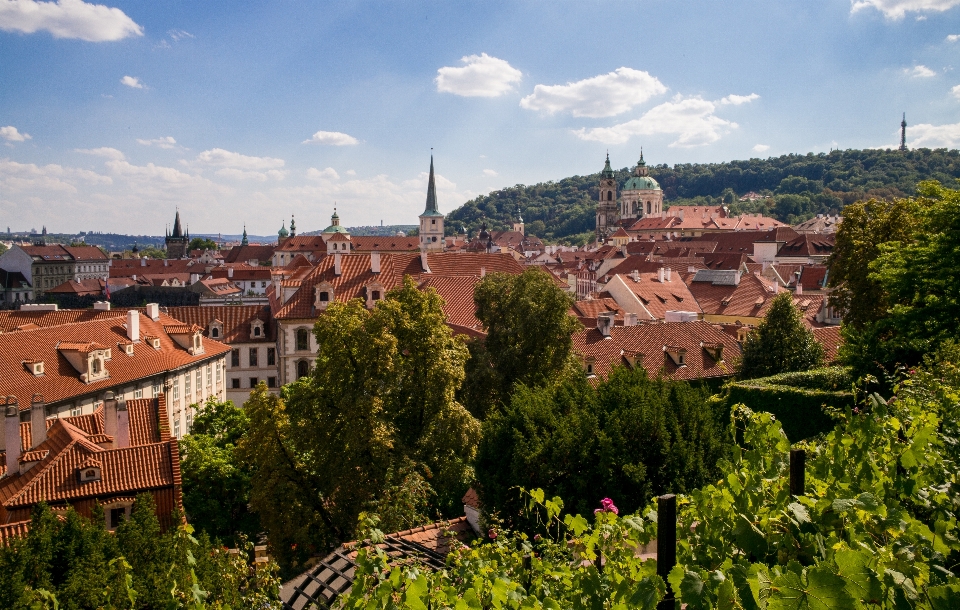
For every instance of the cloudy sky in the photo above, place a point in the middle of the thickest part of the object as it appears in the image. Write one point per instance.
(111, 115)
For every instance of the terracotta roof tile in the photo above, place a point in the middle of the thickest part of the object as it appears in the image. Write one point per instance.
(236, 321)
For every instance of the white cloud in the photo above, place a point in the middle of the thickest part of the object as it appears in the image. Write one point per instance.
(333, 138)
(17, 178)
(896, 9)
(325, 174)
(239, 174)
(737, 100)
(600, 96)
(934, 136)
(132, 81)
(761, 148)
(351, 172)
(10, 134)
(691, 119)
(482, 76)
(953, 37)
(165, 142)
(67, 19)
(224, 158)
(178, 35)
(104, 151)
(919, 71)
(956, 92)
(489, 172)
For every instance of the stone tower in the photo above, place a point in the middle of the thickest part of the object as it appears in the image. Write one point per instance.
(607, 204)
(641, 195)
(431, 221)
(177, 240)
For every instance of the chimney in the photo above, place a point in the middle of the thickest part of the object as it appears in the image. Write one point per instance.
(153, 311)
(110, 416)
(483, 272)
(799, 288)
(629, 319)
(230, 272)
(143, 262)
(635, 274)
(375, 262)
(133, 325)
(38, 421)
(134, 277)
(194, 278)
(11, 434)
(660, 274)
(336, 264)
(424, 262)
(101, 306)
(668, 271)
(122, 439)
(164, 262)
(604, 322)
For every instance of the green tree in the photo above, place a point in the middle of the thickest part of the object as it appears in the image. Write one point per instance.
(152, 252)
(628, 438)
(216, 483)
(203, 243)
(781, 343)
(376, 427)
(529, 336)
(3, 248)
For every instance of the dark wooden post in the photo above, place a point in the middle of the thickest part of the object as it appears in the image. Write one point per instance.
(798, 462)
(666, 544)
(527, 571)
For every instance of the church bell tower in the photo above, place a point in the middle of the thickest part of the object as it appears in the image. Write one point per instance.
(607, 203)
(431, 221)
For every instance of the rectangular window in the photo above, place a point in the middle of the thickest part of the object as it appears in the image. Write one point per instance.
(235, 357)
(219, 370)
(271, 356)
(271, 382)
(138, 393)
(189, 420)
(253, 382)
(235, 383)
(156, 389)
(199, 384)
(186, 386)
(209, 375)
(176, 427)
(263, 284)
(116, 516)
(75, 411)
(254, 352)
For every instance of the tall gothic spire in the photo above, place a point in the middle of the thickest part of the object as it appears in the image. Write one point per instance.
(903, 133)
(177, 230)
(431, 207)
(244, 242)
(607, 170)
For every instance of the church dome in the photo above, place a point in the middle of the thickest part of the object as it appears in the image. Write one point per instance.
(335, 226)
(283, 230)
(641, 183)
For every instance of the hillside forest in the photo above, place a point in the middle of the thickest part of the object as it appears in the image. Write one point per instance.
(795, 187)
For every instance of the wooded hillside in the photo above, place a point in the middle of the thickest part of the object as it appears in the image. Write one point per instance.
(797, 188)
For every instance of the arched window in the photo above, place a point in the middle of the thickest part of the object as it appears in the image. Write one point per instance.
(303, 368)
(96, 366)
(302, 339)
(648, 207)
(609, 195)
(256, 331)
(214, 332)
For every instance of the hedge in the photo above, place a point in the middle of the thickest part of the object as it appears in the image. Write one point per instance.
(795, 399)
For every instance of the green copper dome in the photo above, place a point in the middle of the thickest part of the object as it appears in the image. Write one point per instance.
(641, 183)
(335, 225)
(283, 230)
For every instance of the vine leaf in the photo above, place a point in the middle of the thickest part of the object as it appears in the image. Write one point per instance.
(823, 590)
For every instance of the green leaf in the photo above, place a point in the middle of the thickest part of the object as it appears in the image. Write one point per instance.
(692, 591)
(798, 512)
(823, 590)
(749, 537)
(862, 581)
(944, 597)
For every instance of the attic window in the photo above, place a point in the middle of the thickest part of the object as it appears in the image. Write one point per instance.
(215, 332)
(34, 366)
(725, 301)
(127, 348)
(759, 302)
(257, 331)
(324, 297)
(152, 341)
(88, 474)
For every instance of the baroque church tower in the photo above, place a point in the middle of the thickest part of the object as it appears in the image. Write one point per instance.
(641, 195)
(431, 221)
(607, 204)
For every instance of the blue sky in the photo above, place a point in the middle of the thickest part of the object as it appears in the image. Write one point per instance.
(111, 115)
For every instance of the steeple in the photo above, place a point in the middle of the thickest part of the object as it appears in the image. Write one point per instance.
(431, 209)
(293, 227)
(177, 230)
(282, 233)
(903, 133)
(244, 242)
(607, 170)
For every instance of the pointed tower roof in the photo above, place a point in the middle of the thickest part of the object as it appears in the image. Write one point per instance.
(431, 209)
(607, 170)
(177, 230)
(283, 230)
(293, 227)
(244, 242)
(519, 214)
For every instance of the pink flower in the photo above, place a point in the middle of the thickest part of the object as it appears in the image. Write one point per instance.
(607, 506)
(492, 534)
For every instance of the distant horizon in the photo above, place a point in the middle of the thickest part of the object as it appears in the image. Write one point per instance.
(113, 114)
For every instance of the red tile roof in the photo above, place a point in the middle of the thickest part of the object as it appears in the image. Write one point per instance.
(83, 287)
(660, 297)
(61, 381)
(129, 267)
(65, 253)
(236, 320)
(249, 253)
(645, 344)
(750, 298)
(829, 337)
(12, 320)
(369, 243)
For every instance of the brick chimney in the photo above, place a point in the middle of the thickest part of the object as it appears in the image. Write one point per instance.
(629, 319)
(336, 264)
(38, 420)
(110, 416)
(122, 439)
(133, 325)
(11, 434)
(605, 321)
(375, 262)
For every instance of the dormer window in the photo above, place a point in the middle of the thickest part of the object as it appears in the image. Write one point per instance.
(89, 470)
(714, 350)
(126, 347)
(34, 366)
(152, 341)
(256, 329)
(323, 295)
(215, 329)
(677, 354)
(374, 293)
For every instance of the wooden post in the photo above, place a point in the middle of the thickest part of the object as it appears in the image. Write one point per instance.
(527, 571)
(798, 462)
(666, 544)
